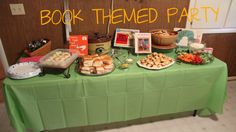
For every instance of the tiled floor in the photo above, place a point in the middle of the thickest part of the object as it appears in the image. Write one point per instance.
(220, 123)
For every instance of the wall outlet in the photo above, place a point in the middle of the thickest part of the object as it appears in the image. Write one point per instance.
(17, 9)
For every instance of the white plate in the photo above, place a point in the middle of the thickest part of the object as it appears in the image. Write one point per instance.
(24, 70)
(151, 68)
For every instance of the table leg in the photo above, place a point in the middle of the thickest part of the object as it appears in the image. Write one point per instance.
(194, 113)
(42, 73)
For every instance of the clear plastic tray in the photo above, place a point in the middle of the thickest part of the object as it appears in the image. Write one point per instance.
(53, 62)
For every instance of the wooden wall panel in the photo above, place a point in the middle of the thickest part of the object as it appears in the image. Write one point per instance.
(17, 31)
(224, 48)
(89, 25)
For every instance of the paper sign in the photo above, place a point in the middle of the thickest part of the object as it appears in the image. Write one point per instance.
(122, 38)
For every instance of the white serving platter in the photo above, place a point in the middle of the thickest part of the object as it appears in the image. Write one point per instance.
(152, 68)
(23, 70)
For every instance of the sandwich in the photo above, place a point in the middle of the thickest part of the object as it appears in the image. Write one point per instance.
(88, 62)
(107, 61)
(100, 70)
(86, 57)
(97, 63)
(108, 68)
(104, 56)
(85, 70)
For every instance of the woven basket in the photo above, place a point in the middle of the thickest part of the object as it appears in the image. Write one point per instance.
(46, 48)
(163, 40)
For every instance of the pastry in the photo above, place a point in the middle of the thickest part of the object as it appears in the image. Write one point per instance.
(97, 62)
(58, 57)
(107, 61)
(156, 60)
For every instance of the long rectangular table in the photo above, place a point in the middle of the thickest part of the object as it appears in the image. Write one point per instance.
(53, 102)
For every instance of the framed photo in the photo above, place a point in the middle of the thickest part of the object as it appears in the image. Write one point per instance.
(125, 37)
(143, 43)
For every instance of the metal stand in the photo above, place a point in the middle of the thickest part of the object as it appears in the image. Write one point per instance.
(42, 73)
(195, 113)
(65, 72)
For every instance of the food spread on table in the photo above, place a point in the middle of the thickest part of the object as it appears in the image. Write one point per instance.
(199, 58)
(164, 33)
(163, 39)
(60, 58)
(124, 66)
(101, 62)
(96, 65)
(129, 61)
(196, 48)
(156, 61)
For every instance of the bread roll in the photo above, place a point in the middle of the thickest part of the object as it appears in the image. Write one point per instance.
(88, 62)
(97, 63)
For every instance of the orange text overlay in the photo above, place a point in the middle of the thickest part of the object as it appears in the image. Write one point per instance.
(140, 16)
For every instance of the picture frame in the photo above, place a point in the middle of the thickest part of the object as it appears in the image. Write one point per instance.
(143, 43)
(125, 37)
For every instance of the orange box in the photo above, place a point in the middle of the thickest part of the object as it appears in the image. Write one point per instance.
(80, 43)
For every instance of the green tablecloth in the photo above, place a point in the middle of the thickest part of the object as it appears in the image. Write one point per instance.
(53, 102)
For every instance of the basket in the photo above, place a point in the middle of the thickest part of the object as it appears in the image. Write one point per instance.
(158, 39)
(46, 48)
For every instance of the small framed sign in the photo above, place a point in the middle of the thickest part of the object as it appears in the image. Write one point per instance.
(79, 43)
(143, 43)
(125, 37)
